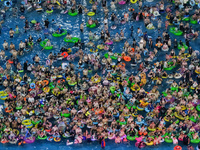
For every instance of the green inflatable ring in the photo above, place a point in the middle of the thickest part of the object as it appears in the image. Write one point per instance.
(174, 88)
(130, 138)
(33, 122)
(186, 19)
(72, 40)
(48, 12)
(20, 71)
(91, 26)
(112, 89)
(59, 35)
(72, 14)
(43, 43)
(129, 107)
(198, 107)
(72, 84)
(112, 57)
(42, 138)
(170, 68)
(165, 134)
(33, 21)
(18, 108)
(122, 123)
(185, 46)
(168, 140)
(193, 21)
(164, 94)
(65, 115)
(134, 107)
(192, 119)
(175, 32)
(195, 141)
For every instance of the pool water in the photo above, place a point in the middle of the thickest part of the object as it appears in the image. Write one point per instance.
(72, 24)
(110, 145)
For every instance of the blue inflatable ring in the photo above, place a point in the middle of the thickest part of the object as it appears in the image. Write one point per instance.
(32, 85)
(8, 3)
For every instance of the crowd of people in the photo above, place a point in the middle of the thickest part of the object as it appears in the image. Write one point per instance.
(101, 98)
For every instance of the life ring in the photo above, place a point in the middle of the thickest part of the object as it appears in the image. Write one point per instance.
(177, 147)
(46, 82)
(10, 61)
(48, 62)
(72, 14)
(57, 140)
(64, 54)
(4, 141)
(168, 140)
(46, 89)
(197, 72)
(16, 132)
(198, 108)
(91, 13)
(192, 3)
(42, 138)
(49, 12)
(156, 13)
(26, 122)
(122, 2)
(133, 1)
(50, 138)
(8, 110)
(140, 108)
(109, 43)
(127, 58)
(8, 3)
(32, 85)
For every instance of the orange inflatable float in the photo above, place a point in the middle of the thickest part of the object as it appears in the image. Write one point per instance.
(8, 111)
(127, 58)
(64, 54)
(177, 147)
(46, 82)
(10, 61)
(122, 65)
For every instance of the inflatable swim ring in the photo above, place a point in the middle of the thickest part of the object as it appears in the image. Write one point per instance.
(133, 1)
(43, 43)
(127, 58)
(175, 32)
(72, 14)
(64, 54)
(122, 2)
(91, 26)
(91, 13)
(55, 34)
(49, 12)
(72, 40)
(8, 3)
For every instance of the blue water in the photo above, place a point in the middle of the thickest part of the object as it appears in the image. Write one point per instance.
(110, 145)
(72, 25)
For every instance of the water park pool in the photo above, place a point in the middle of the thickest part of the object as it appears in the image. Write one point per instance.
(72, 25)
(93, 146)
